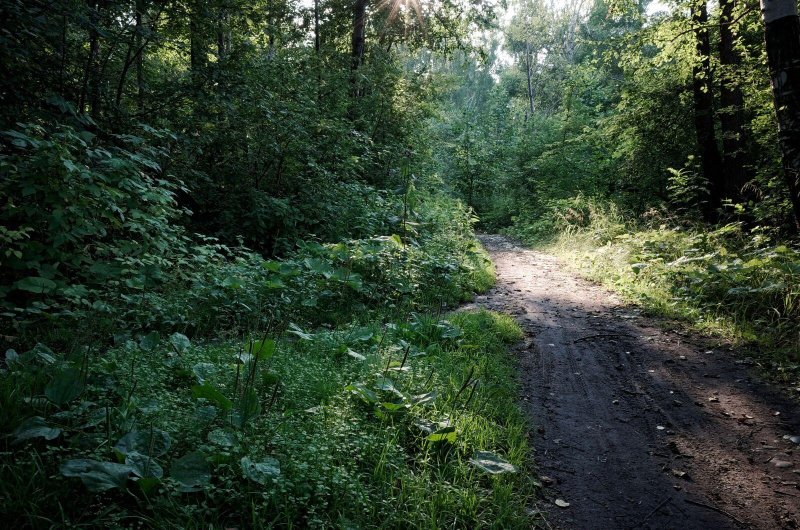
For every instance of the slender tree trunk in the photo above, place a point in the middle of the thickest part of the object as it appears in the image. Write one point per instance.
(316, 27)
(710, 158)
(63, 63)
(317, 46)
(782, 35)
(528, 67)
(271, 33)
(123, 76)
(357, 43)
(89, 89)
(734, 156)
(222, 32)
(197, 42)
(140, 21)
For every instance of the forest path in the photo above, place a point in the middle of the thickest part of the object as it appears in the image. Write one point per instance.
(638, 427)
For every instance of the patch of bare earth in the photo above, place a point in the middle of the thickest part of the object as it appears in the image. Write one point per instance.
(635, 426)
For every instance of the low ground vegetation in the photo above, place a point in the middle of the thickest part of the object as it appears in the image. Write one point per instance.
(732, 280)
(332, 388)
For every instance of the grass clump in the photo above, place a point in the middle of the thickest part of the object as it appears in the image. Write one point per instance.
(733, 281)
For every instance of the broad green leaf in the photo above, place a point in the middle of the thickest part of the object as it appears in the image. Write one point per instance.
(269, 379)
(149, 341)
(11, 357)
(35, 284)
(191, 471)
(446, 434)
(97, 476)
(209, 393)
(147, 485)
(261, 349)
(387, 385)
(261, 472)
(355, 282)
(449, 331)
(318, 266)
(43, 353)
(232, 282)
(355, 355)
(277, 283)
(180, 341)
(248, 408)
(360, 334)
(222, 438)
(361, 390)
(203, 371)
(341, 274)
(206, 413)
(65, 386)
(294, 329)
(152, 442)
(491, 463)
(422, 399)
(143, 466)
(272, 266)
(34, 427)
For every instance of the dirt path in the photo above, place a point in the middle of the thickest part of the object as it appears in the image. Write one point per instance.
(638, 427)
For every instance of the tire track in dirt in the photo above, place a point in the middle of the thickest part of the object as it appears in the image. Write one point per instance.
(638, 427)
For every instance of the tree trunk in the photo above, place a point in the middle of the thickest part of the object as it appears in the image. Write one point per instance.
(782, 35)
(316, 27)
(710, 159)
(223, 32)
(528, 67)
(734, 156)
(140, 20)
(95, 67)
(90, 85)
(317, 46)
(125, 66)
(197, 42)
(357, 42)
(63, 53)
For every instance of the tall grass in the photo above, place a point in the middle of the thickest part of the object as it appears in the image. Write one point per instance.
(733, 281)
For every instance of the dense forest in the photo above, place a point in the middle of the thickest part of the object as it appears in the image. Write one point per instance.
(234, 235)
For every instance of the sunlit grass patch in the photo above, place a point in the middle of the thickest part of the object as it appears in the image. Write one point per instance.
(735, 284)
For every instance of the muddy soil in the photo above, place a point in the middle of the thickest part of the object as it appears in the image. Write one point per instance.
(636, 425)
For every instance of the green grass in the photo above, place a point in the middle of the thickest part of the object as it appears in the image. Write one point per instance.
(371, 408)
(729, 282)
(343, 462)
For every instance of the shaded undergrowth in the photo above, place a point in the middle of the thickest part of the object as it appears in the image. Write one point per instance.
(338, 391)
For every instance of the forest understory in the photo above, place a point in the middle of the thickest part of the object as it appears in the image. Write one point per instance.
(241, 287)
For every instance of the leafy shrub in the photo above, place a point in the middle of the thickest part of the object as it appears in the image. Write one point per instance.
(594, 218)
(82, 218)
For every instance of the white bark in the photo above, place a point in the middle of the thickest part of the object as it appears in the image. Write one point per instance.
(775, 9)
